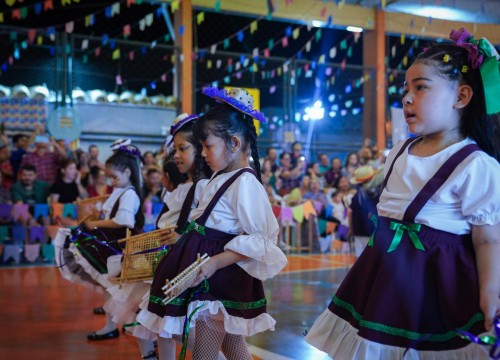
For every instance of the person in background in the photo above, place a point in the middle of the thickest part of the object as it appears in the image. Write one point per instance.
(21, 143)
(99, 186)
(352, 162)
(46, 162)
(94, 157)
(324, 163)
(365, 156)
(152, 187)
(83, 167)
(333, 175)
(5, 194)
(272, 156)
(289, 177)
(5, 166)
(67, 187)
(29, 190)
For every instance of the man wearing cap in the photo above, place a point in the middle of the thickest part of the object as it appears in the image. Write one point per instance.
(45, 161)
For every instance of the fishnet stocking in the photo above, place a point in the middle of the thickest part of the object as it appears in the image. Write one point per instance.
(235, 348)
(208, 340)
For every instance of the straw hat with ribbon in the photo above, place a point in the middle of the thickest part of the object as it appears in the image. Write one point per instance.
(362, 174)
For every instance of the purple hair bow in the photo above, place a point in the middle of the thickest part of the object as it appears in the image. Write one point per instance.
(464, 39)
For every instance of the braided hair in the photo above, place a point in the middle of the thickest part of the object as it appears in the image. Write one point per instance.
(224, 121)
(452, 63)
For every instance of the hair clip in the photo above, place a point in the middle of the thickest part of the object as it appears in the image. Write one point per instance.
(131, 150)
(446, 58)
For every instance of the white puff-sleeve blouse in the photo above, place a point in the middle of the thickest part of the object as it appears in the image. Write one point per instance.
(128, 207)
(245, 210)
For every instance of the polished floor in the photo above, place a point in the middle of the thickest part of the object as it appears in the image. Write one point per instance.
(45, 317)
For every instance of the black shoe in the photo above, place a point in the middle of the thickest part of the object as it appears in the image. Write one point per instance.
(150, 356)
(99, 311)
(110, 335)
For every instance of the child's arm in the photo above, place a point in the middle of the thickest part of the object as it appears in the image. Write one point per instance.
(102, 224)
(486, 243)
(219, 261)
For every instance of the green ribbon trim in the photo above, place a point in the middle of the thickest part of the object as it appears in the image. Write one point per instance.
(411, 335)
(157, 259)
(200, 229)
(412, 230)
(490, 74)
(227, 303)
(374, 220)
(131, 324)
(182, 355)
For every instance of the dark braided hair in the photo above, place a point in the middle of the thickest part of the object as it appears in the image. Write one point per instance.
(200, 170)
(224, 121)
(173, 172)
(474, 121)
(122, 160)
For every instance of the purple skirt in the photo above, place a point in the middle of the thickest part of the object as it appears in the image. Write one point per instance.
(412, 298)
(241, 294)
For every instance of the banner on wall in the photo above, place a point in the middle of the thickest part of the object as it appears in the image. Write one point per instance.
(22, 115)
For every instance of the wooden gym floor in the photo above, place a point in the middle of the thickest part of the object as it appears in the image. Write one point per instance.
(46, 317)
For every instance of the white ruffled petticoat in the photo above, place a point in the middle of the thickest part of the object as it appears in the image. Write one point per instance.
(340, 340)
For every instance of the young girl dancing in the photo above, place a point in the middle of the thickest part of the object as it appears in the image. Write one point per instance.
(431, 269)
(234, 225)
(122, 211)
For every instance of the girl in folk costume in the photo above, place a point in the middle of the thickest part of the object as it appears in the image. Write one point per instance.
(179, 202)
(99, 239)
(431, 270)
(233, 224)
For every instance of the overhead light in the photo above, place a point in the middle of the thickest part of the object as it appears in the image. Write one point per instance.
(354, 29)
(315, 112)
(317, 23)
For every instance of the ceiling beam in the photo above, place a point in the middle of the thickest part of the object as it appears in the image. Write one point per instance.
(304, 11)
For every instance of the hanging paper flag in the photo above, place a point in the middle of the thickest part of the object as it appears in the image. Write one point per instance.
(317, 83)
(308, 209)
(213, 49)
(85, 58)
(227, 79)
(16, 54)
(238, 75)
(85, 44)
(31, 35)
(48, 5)
(131, 55)
(278, 71)
(321, 226)
(296, 33)
(328, 71)
(88, 20)
(200, 18)
(107, 11)
(218, 64)
(272, 89)
(118, 80)
(253, 26)
(357, 35)
(343, 44)
(142, 24)
(237, 66)
(349, 51)
(329, 22)
(348, 89)
(266, 52)
(174, 5)
(126, 30)
(115, 9)
(393, 50)
(318, 35)
(181, 30)
(298, 213)
(1, 17)
(348, 103)
(333, 52)
(130, 2)
(209, 64)
(309, 73)
(97, 52)
(405, 60)
(323, 12)
(104, 39)
(254, 68)
(284, 41)
(240, 36)
(286, 215)
(217, 6)
(149, 19)
(308, 46)
(24, 12)
(163, 77)
(391, 78)
(69, 27)
(226, 44)
(285, 68)
(10, 2)
(270, 44)
(331, 227)
(382, 4)
(321, 59)
(402, 40)
(152, 85)
(112, 44)
(273, 74)
(39, 40)
(16, 14)
(288, 31)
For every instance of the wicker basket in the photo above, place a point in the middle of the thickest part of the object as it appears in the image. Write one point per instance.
(142, 253)
(94, 203)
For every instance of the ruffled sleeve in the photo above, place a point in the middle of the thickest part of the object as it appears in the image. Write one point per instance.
(129, 205)
(479, 192)
(260, 229)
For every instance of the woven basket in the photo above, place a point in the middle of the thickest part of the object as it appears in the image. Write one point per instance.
(140, 257)
(94, 203)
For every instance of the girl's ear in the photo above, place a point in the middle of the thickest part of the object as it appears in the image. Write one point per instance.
(127, 172)
(464, 96)
(235, 143)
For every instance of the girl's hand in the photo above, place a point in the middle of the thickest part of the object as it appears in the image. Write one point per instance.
(168, 237)
(206, 271)
(490, 306)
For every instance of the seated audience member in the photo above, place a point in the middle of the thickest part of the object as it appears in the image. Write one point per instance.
(45, 161)
(67, 187)
(5, 195)
(21, 143)
(94, 157)
(99, 186)
(5, 167)
(151, 190)
(314, 193)
(28, 189)
(324, 163)
(289, 176)
(351, 164)
(333, 175)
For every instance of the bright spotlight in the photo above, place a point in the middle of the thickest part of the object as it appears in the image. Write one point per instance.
(354, 29)
(315, 112)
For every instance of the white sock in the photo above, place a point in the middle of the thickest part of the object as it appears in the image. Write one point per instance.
(166, 349)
